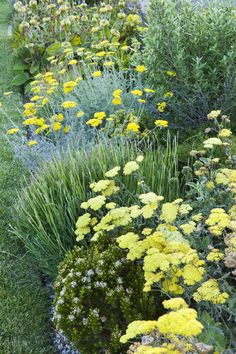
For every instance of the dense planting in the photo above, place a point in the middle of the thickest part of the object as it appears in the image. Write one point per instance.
(125, 130)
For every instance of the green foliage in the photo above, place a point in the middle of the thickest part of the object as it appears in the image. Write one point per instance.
(23, 298)
(48, 208)
(97, 293)
(43, 29)
(24, 309)
(197, 42)
(213, 332)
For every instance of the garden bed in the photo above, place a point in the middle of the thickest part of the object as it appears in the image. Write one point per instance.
(118, 177)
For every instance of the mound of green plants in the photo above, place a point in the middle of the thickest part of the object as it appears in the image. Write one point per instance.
(190, 49)
(48, 208)
(97, 293)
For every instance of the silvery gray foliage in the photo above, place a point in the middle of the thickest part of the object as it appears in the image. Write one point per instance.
(91, 95)
(47, 148)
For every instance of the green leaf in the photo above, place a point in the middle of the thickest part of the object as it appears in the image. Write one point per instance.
(34, 68)
(54, 48)
(20, 79)
(19, 67)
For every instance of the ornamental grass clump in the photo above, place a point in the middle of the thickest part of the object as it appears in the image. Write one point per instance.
(48, 208)
(185, 247)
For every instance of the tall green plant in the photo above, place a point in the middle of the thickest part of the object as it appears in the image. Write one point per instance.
(48, 208)
(191, 50)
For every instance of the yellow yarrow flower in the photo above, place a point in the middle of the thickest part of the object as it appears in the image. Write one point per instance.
(137, 92)
(32, 142)
(140, 68)
(148, 90)
(175, 303)
(171, 73)
(161, 106)
(182, 322)
(96, 73)
(138, 327)
(66, 129)
(62, 71)
(108, 63)
(214, 114)
(80, 114)
(211, 142)
(130, 167)
(57, 126)
(169, 212)
(99, 115)
(117, 101)
(188, 228)
(94, 203)
(100, 54)
(94, 122)
(69, 86)
(134, 127)
(168, 94)
(225, 133)
(209, 291)
(217, 221)
(113, 172)
(215, 255)
(36, 98)
(69, 104)
(161, 123)
(73, 62)
(12, 131)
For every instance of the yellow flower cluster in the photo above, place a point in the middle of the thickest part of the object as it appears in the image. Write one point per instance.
(215, 255)
(168, 259)
(97, 119)
(217, 221)
(161, 107)
(214, 114)
(116, 216)
(69, 86)
(167, 349)
(161, 123)
(117, 100)
(212, 142)
(209, 291)
(227, 177)
(182, 321)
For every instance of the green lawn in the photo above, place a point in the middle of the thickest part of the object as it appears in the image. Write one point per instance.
(24, 304)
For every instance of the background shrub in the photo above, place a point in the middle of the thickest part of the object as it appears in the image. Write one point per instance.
(197, 41)
(97, 293)
(48, 208)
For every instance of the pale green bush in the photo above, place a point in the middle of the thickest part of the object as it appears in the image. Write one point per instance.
(197, 42)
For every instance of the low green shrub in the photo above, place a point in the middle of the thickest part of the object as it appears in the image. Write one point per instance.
(97, 293)
(191, 50)
(48, 208)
